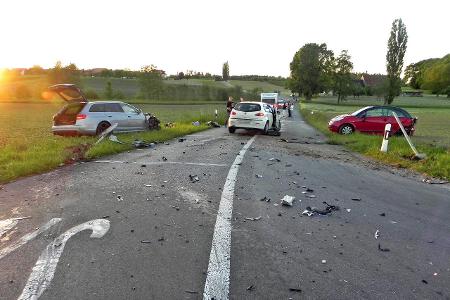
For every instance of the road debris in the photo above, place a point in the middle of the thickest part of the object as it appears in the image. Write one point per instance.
(434, 181)
(213, 124)
(295, 290)
(275, 159)
(311, 211)
(258, 176)
(348, 209)
(180, 140)
(253, 219)
(142, 144)
(119, 198)
(146, 242)
(287, 200)
(106, 132)
(196, 123)
(114, 139)
(377, 234)
(324, 261)
(164, 158)
(194, 178)
(148, 185)
(356, 199)
(383, 249)
(250, 288)
(383, 214)
(169, 125)
(190, 292)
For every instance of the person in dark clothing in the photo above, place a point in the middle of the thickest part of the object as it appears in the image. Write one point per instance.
(289, 109)
(229, 107)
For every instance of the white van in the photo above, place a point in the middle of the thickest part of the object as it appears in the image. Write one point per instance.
(270, 98)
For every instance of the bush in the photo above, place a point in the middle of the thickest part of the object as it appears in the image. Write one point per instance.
(91, 95)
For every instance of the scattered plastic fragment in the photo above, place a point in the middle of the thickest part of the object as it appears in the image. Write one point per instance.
(311, 211)
(196, 123)
(324, 261)
(146, 242)
(119, 198)
(253, 219)
(258, 176)
(287, 200)
(383, 214)
(432, 181)
(250, 288)
(194, 178)
(377, 234)
(164, 158)
(148, 185)
(275, 159)
(348, 209)
(356, 199)
(142, 144)
(191, 292)
(181, 140)
(424, 281)
(383, 249)
(295, 290)
(213, 124)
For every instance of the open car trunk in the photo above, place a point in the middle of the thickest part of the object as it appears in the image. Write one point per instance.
(68, 114)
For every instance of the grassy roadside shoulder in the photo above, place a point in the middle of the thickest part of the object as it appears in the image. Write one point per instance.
(49, 154)
(437, 163)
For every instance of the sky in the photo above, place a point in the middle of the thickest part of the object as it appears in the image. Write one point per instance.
(255, 37)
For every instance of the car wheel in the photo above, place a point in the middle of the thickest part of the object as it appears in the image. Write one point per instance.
(102, 127)
(266, 128)
(346, 129)
(231, 129)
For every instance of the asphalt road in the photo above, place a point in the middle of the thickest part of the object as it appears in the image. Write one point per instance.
(155, 241)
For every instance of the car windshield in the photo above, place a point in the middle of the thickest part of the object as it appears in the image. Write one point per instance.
(247, 107)
(269, 101)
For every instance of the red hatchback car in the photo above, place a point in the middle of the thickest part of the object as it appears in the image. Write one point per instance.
(373, 119)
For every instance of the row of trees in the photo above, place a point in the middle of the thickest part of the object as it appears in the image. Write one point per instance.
(315, 69)
(430, 74)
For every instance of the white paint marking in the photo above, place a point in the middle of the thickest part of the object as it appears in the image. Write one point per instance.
(8, 224)
(45, 267)
(218, 278)
(28, 237)
(161, 163)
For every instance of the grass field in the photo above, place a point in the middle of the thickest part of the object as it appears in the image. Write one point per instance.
(432, 134)
(27, 145)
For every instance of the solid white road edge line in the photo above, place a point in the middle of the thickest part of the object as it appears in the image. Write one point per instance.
(218, 277)
(28, 237)
(44, 269)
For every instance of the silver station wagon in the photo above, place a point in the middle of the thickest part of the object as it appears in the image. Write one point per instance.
(83, 117)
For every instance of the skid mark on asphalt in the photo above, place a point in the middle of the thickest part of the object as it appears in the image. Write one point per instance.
(160, 163)
(218, 278)
(28, 237)
(45, 267)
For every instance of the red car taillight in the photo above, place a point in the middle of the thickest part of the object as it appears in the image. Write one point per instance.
(233, 113)
(260, 114)
(81, 116)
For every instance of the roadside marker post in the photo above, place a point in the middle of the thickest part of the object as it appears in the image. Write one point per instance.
(215, 113)
(387, 132)
(417, 154)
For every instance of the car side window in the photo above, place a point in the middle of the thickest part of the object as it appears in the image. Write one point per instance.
(97, 108)
(129, 109)
(376, 112)
(114, 107)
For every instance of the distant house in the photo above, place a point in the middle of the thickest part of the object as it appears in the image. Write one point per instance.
(372, 80)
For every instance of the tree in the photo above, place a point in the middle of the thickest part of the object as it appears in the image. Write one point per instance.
(109, 93)
(67, 74)
(226, 71)
(311, 70)
(342, 76)
(151, 82)
(394, 59)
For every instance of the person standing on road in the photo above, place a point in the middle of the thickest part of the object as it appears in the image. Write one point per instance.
(229, 108)
(290, 109)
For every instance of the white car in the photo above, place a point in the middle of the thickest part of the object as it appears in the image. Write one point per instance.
(251, 115)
